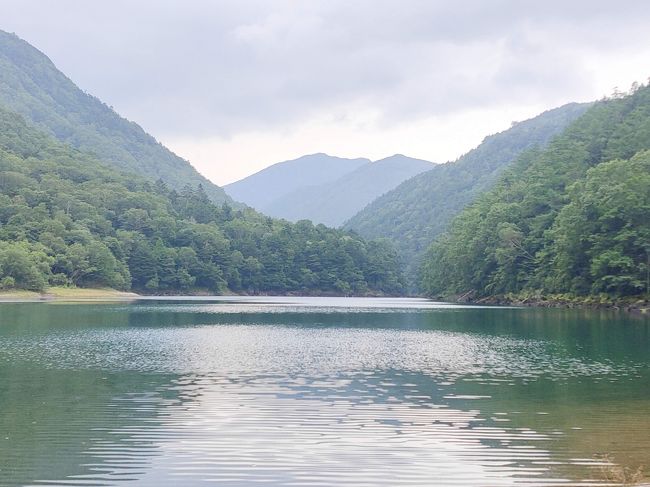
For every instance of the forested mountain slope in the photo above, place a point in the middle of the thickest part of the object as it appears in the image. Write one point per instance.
(32, 86)
(571, 218)
(67, 219)
(419, 209)
(334, 202)
(262, 189)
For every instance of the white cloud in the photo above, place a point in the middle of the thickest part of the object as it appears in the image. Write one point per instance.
(234, 85)
(437, 139)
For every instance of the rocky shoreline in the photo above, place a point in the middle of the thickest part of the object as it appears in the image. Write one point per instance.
(637, 304)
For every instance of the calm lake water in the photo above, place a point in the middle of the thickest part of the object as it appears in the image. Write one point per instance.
(318, 391)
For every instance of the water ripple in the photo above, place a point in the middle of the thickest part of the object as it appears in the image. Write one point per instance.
(257, 400)
(268, 349)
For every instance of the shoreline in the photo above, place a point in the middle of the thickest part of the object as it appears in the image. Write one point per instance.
(639, 305)
(66, 294)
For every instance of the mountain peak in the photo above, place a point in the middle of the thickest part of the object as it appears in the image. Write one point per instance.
(276, 181)
(323, 188)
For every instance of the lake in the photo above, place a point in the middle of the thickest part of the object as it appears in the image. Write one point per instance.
(319, 391)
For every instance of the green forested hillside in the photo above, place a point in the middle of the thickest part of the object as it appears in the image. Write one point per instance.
(418, 210)
(32, 86)
(572, 218)
(66, 219)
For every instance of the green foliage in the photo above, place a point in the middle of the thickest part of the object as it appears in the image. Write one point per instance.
(600, 241)
(24, 265)
(572, 218)
(421, 208)
(32, 86)
(66, 219)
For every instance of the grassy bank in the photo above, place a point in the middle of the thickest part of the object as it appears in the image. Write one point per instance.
(95, 294)
(65, 294)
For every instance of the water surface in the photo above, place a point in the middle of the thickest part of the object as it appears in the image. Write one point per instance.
(319, 391)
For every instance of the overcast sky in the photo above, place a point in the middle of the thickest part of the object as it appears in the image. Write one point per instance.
(234, 86)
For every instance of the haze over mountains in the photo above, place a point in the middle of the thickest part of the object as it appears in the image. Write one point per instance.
(323, 188)
(259, 190)
(31, 85)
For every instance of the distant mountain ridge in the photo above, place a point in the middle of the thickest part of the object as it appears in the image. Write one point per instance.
(414, 213)
(334, 202)
(323, 188)
(259, 190)
(31, 85)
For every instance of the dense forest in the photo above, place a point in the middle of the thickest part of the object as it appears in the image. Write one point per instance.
(31, 85)
(571, 218)
(417, 211)
(67, 219)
